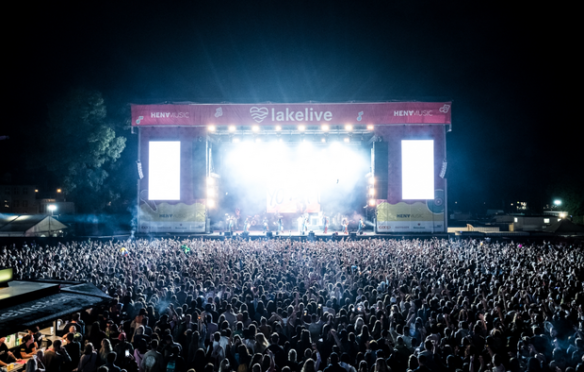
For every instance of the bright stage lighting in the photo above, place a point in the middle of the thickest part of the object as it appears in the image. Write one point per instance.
(302, 128)
(164, 170)
(211, 128)
(348, 127)
(372, 180)
(323, 140)
(418, 169)
(232, 128)
(210, 181)
(347, 139)
(52, 207)
(210, 203)
(372, 202)
(371, 192)
(325, 127)
(370, 127)
(210, 193)
(278, 128)
(255, 128)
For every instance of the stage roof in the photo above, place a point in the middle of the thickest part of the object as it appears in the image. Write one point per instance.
(287, 114)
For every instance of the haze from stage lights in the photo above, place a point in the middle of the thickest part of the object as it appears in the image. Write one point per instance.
(164, 170)
(418, 169)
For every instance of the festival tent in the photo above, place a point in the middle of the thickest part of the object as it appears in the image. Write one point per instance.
(565, 227)
(29, 225)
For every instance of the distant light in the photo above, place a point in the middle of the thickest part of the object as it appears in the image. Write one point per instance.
(370, 127)
(325, 127)
(232, 128)
(52, 207)
(278, 128)
(210, 192)
(562, 215)
(59, 191)
(211, 128)
(302, 128)
(36, 190)
(347, 139)
(371, 202)
(557, 202)
(210, 203)
(349, 127)
(255, 128)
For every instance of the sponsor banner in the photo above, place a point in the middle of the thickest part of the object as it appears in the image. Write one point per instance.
(416, 217)
(165, 217)
(293, 114)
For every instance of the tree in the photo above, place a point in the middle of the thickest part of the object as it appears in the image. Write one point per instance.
(79, 145)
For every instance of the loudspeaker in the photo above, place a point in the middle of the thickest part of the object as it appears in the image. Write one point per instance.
(269, 234)
(311, 236)
(380, 169)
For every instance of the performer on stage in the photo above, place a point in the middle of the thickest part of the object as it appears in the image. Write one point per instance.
(304, 221)
(325, 224)
(266, 226)
(360, 228)
(245, 225)
(230, 222)
(345, 224)
(280, 224)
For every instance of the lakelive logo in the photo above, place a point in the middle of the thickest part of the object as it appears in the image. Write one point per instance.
(260, 113)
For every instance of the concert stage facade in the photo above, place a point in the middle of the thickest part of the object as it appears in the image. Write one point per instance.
(292, 167)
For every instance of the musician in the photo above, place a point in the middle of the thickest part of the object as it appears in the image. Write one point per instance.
(325, 224)
(230, 222)
(266, 226)
(345, 225)
(280, 224)
(246, 225)
(360, 226)
(304, 222)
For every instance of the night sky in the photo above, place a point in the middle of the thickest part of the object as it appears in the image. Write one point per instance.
(502, 67)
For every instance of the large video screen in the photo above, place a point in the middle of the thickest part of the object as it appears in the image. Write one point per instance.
(418, 169)
(164, 170)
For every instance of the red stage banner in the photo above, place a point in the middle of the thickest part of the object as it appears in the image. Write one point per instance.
(292, 114)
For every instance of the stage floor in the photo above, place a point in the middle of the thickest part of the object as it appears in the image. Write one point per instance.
(295, 235)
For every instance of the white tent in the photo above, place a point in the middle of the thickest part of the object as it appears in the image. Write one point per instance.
(30, 225)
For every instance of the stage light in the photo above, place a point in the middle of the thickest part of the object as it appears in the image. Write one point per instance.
(232, 128)
(348, 127)
(372, 180)
(278, 128)
(210, 192)
(557, 202)
(52, 207)
(325, 127)
(59, 191)
(370, 127)
(347, 139)
(302, 128)
(323, 140)
(371, 202)
(211, 128)
(255, 128)
(36, 190)
(371, 192)
(210, 181)
(210, 203)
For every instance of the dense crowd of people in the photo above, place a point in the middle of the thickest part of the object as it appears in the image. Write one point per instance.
(369, 305)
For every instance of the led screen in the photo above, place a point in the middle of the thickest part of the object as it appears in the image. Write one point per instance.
(418, 169)
(164, 170)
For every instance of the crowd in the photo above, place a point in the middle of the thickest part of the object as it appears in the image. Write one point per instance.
(334, 306)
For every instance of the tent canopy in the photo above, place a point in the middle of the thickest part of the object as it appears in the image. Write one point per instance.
(28, 225)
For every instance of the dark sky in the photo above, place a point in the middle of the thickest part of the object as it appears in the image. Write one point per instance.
(498, 64)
